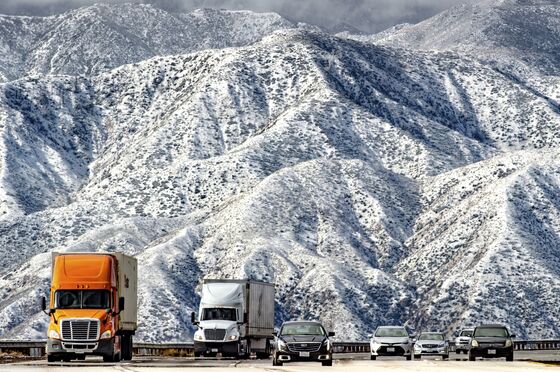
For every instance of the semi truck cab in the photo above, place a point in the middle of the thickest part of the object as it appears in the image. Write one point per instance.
(87, 303)
(235, 318)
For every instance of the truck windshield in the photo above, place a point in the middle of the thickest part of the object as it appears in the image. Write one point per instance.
(219, 314)
(89, 299)
(466, 334)
(391, 332)
(431, 336)
(491, 332)
(310, 329)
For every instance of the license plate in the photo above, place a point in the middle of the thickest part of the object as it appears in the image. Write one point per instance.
(304, 353)
(491, 352)
(390, 349)
(214, 350)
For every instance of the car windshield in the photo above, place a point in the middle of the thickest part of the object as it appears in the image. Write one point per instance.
(219, 313)
(391, 332)
(311, 329)
(491, 332)
(466, 334)
(90, 299)
(431, 336)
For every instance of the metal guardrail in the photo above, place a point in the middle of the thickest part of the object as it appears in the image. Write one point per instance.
(37, 348)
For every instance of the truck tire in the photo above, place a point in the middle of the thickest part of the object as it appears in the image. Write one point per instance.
(509, 357)
(327, 363)
(408, 357)
(418, 356)
(126, 347)
(472, 358)
(373, 357)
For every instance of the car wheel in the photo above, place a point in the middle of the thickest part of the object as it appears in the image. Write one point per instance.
(444, 357)
(276, 362)
(327, 363)
(408, 357)
(472, 358)
(509, 357)
(418, 356)
(52, 359)
(457, 351)
(373, 357)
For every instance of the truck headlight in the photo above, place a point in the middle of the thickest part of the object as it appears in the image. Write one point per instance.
(198, 335)
(509, 343)
(474, 343)
(106, 334)
(54, 334)
(233, 337)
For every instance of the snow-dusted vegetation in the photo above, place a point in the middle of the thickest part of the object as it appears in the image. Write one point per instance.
(373, 183)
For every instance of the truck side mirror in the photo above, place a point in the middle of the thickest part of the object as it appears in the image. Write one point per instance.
(193, 318)
(121, 304)
(245, 318)
(275, 333)
(512, 336)
(43, 303)
(331, 334)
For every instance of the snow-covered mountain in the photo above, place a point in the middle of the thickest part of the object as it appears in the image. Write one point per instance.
(372, 184)
(98, 38)
(516, 34)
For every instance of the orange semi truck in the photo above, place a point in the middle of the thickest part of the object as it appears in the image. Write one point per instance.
(93, 306)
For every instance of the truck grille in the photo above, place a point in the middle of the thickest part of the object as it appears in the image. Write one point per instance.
(215, 334)
(80, 329)
(304, 346)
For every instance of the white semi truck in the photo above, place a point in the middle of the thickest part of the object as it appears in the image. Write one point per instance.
(235, 319)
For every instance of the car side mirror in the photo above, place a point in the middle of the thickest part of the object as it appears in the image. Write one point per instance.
(121, 304)
(512, 336)
(370, 335)
(331, 334)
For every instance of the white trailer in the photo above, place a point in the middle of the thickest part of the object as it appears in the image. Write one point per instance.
(235, 318)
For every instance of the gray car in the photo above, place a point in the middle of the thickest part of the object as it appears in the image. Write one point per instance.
(431, 343)
(463, 341)
(391, 341)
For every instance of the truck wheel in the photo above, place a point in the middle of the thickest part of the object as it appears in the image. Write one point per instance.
(108, 358)
(472, 358)
(327, 363)
(373, 357)
(197, 354)
(444, 357)
(418, 356)
(509, 357)
(408, 357)
(457, 351)
(126, 347)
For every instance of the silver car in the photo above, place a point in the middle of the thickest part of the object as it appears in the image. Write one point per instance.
(391, 341)
(431, 343)
(463, 341)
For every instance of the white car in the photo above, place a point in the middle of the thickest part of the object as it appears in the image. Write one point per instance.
(391, 341)
(431, 343)
(463, 341)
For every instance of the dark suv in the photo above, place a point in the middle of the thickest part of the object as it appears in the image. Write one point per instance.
(491, 341)
(302, 341)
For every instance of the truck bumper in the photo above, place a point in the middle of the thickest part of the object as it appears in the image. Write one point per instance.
(70, 349)
(212, 348)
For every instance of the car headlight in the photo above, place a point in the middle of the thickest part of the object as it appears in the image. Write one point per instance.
(474, 343)
(509, 343)
(327, 343)
(106, 334)
(233, 337)
(281, 345)
(417, 346)
(54, 334)
(199, 335)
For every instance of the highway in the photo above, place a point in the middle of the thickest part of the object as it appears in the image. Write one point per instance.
(344, 362)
